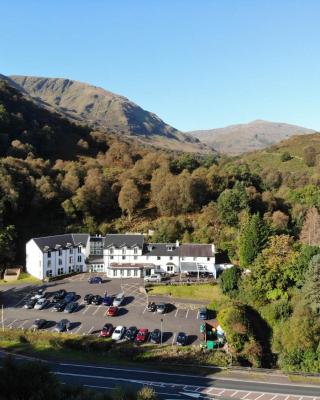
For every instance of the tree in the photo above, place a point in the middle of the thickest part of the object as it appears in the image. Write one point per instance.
(253, 236)
(231, 202)
(310, 232)
(168, 230)
(279, 220)
(129, 197)
(310, 156)
(7, 247)
(311, 288)
(229, 280)
(285, 156)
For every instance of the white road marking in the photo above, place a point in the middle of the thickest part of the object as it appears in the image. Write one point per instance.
(248, 394)
(144, 310)
(187, 313)
(274, 397)
(233, 394)
(173, 339)
(198, 314)
(86, 309)
(90, 330)
(220, 393)
(78, 329)
(21, 325)
(20, 301)
(98, 308)
(263, 394)
(11, 323)
(176, 312)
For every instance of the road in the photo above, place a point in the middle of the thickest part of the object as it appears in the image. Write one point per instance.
(178, 386)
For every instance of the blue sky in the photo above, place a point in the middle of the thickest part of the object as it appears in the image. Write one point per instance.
(196, 63)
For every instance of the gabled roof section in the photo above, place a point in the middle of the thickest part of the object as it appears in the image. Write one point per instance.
(124, 240)
(50, 243)
(196, 250)
(161, 249)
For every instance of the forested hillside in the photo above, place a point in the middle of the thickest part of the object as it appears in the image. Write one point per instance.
(57, 177)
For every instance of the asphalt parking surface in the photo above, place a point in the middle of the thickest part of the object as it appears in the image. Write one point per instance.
(89, 319)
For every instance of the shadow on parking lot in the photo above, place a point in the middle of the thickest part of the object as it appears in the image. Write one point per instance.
(50, 324)
(74, 325)
(127, 300)
(192, 339)
(166, 336)
(170, 308)
(122, 311)
(80, 307)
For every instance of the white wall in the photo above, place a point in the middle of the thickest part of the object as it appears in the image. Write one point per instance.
(34, 260)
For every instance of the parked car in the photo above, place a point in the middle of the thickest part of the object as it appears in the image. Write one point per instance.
(62, 326)
(106, 331)
(107, 300)
(118, 333)
(58, 296)
(41, 303)
(96, 300)
(131, 333)
(117, 301)
(38, 294)
(88, 298)
(151, 306)
(182, 339)
(112, 311)
(203, 313)
(95, 279)
(142, 335)
(161, 308)
(71, 307)
(60, 306)
(38, 324)
(155, 336)
(70, 296)
(153, 278)
(30, 303)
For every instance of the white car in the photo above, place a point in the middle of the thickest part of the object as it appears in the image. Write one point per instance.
(117, 301)
(39, 294)
(118, 333)
(41, 303)
(153, 278)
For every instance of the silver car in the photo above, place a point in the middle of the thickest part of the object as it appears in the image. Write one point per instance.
(117, 301)
(41, 303)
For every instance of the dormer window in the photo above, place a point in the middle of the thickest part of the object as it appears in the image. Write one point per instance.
(60, 252)
(111, 251)
(135, 250)
(169, 248)
(49, 254)
(123, 250)
(79, 249)
(150, 247)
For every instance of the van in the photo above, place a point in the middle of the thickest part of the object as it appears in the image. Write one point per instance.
(153, 278)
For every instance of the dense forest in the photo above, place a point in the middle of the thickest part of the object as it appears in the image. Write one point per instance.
(56, 177)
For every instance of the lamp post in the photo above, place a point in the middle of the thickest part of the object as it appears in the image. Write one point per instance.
(161, 322)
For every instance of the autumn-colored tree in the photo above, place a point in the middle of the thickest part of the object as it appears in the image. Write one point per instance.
(310, 232)
(279, 220)
(310, 156)
(129, 197)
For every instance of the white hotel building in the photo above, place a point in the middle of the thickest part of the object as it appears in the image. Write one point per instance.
(117, 255)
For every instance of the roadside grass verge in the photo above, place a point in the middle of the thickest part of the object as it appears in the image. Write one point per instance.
(209, 293)
(23, 278)
(50, 345)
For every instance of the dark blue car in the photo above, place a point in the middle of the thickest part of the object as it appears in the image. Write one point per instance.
(95, 279)
(107, 300)
(203, 313)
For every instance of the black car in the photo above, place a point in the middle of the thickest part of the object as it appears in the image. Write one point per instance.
(38, 324)
(71, 307)
(70, 296)
(182, 339)
(60, 306)
(88, 298)
(58, 296)
(62, 326)
(131, 333)
(203, 313)
(161, 308)
(30, 303)
(155, 336)
(151, 306)
(96, 300)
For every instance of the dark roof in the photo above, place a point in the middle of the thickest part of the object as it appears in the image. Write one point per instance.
(160, 249)
(196, 250)
(120, 240)
(96, 259)
(64, 241)
(96, 238)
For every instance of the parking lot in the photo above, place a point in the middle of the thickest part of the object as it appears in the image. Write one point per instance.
(89, 319)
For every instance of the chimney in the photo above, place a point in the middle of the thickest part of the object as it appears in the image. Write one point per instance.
(213, 248)
(177, 243)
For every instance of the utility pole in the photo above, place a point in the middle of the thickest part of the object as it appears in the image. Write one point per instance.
(2, 320)
(161, 321)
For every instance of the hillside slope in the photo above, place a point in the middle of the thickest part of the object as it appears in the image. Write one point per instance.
(105, 111)
(242, 138)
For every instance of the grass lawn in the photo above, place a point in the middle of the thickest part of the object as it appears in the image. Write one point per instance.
(209, 293)
(23, 278)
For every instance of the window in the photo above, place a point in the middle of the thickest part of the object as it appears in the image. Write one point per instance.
(129, 272)
(171, 258)
(158, 258)
(123, 257)
(135, 273)
(169, 248)
(49, 263)
(79, 249)
(49, 254)
(60, 261)
(194, 258)
(79, 258)
(124, 250)
(115, 272)
(71, 269)
(111, 250)
(182, 258)
(60, 253)
(111, 257)
(208, 258)
(71, 250)
(135, 257)
(135, 250)
(169, 268)
(60, 271)
(71, 260)
(49, 273)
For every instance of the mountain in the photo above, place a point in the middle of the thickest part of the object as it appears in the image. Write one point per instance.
(105, 111)
(242, 138)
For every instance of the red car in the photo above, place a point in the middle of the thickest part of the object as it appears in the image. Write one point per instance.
(106, 331)
(112, 311)
(142, 335)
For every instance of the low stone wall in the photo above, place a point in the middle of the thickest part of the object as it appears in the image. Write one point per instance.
(11, 274)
